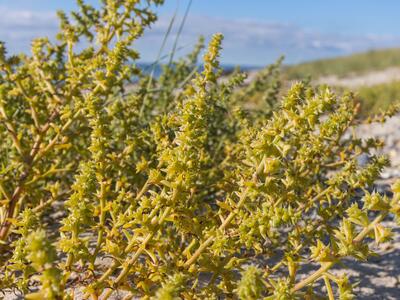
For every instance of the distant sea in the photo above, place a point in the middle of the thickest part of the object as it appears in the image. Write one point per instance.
(147, 68)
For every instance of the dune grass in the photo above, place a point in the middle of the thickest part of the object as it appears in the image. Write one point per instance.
(376, 98)
(355, 64)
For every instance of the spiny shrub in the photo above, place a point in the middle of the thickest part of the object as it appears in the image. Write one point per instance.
(168, 188)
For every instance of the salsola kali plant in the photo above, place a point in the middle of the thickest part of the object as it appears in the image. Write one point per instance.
(173, 187)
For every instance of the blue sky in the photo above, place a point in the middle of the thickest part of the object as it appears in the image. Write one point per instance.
(256, 31)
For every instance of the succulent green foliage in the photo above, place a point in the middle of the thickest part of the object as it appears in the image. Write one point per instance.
(171, 289)
(263, 90)
(42, 256)
(250, 285)
(170, 187)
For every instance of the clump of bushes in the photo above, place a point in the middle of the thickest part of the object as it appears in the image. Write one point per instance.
(350, 65)
(172, 189)
(378, 98)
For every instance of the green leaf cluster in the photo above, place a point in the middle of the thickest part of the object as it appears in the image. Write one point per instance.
(170, 187)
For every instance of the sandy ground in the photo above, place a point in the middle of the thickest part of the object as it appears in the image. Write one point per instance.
(369, 79)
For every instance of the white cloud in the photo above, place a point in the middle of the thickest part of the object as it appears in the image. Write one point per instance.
(18, 28)
(246, 41)
(258, 42)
